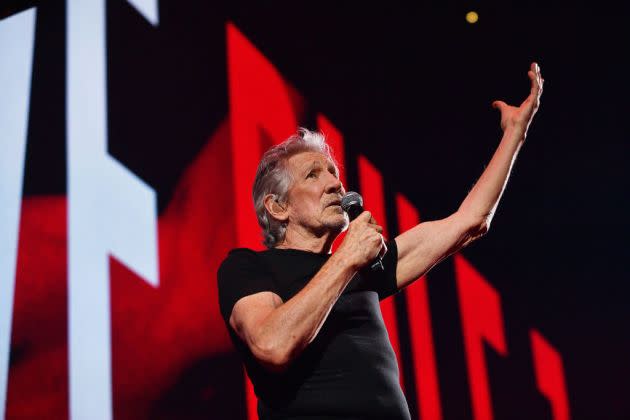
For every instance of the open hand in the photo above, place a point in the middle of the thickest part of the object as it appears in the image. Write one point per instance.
(520, 117)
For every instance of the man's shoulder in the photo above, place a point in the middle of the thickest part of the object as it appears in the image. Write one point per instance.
(242, 272)
(240, 263)
(242, 251)
(243, 259)
(239, 255)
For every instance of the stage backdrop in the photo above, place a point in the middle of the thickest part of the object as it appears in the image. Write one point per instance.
(129, 136)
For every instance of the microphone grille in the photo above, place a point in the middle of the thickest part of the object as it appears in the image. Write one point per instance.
(351, 199)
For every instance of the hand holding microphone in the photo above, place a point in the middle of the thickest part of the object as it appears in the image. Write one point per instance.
(364, 237)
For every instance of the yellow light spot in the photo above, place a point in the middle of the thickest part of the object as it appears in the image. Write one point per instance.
(472, 17)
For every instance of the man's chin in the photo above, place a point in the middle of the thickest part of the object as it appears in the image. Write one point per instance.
(339, 223)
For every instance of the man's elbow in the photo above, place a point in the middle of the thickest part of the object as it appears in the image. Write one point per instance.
(481, 227)
(474, 227)
(273, 357)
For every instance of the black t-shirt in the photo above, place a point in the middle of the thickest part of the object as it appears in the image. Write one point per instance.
(349, 370)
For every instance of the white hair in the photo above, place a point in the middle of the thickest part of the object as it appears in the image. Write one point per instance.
(273, 177)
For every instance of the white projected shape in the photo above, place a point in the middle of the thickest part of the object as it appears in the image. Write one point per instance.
(148, 9)
(16, 62)
(110, 211)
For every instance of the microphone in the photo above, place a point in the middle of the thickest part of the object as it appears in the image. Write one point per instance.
(352, 203)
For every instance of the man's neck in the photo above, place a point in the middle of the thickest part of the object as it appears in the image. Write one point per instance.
(308, 241)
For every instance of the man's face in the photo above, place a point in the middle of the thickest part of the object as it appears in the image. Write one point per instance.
(315, 194)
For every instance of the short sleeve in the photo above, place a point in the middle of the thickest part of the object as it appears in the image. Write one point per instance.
(242, 273)
(384, 281)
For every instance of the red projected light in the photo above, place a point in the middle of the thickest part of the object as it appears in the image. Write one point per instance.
(482, 322)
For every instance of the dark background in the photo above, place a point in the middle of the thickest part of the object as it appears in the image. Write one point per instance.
(411, 88)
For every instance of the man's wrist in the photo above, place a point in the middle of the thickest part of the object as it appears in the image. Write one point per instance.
(516, 132)
(342, 260)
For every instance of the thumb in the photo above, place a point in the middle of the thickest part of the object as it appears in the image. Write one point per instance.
(499, 105)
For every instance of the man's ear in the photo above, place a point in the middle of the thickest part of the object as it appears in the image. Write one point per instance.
(276, 209)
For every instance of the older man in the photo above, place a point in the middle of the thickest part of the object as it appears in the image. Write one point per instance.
(307, 321)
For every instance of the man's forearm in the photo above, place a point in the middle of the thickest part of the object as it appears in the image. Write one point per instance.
(481, 202)
(295, 323)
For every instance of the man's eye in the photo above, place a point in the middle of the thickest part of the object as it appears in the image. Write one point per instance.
(311, 174)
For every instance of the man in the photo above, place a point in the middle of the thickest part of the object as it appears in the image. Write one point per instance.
(306, 321)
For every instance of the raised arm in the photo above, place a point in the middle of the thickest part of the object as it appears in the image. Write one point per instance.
(428, 243)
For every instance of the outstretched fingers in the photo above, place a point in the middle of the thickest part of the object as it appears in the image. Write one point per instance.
(536, 79)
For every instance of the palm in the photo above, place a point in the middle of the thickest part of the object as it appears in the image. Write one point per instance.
(521, 117)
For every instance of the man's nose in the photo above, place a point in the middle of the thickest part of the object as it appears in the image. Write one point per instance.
(334, 185)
